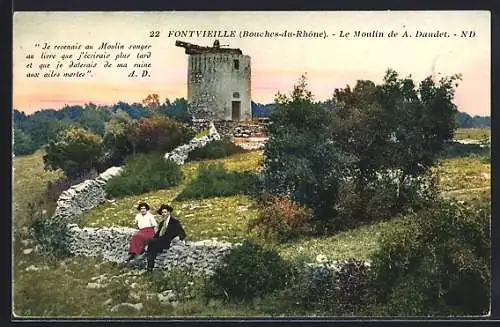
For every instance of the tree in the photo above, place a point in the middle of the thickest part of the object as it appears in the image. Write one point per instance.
(302, 160)
(395, 126)
(135, 110)
(42, 128)
(118, 136)
(176, 110)
(74, 150)
(422, 121)
(362, 128)
(152, 101)
(93, 118)
(160, 133)
(70, 112)
(23, 144)
(19, 119)
(480, 122)
(374, 143)
(464, 120)
(436, 263)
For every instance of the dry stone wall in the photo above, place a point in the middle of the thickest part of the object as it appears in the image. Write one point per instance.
(83, 197)
(91, 193)
(180, 154)
(112, 243)
(232, 128)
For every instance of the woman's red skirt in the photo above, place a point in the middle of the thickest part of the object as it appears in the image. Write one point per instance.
(140, 239)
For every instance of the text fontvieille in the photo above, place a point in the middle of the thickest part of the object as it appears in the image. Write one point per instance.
(202, 33)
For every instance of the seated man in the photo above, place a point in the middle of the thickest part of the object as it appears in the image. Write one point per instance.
(168, 229)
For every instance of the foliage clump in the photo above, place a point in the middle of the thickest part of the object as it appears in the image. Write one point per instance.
(143, 173)
(376, 141)
(437, 263)
(282, 219)
(248, 271)
(214, 180)
(74, 150)
(215, 150)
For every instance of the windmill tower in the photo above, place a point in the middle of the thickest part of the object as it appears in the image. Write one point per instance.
(219, 82)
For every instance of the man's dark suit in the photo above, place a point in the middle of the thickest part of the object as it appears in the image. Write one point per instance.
(160, 243)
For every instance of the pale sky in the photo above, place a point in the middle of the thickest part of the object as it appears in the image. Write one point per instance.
(277, 63)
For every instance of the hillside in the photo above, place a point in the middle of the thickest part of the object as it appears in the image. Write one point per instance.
(66, 289)
(226, 218)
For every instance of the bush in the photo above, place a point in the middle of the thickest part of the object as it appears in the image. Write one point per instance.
(74, 150)
(248, 271)
(283, 219)
(143, 173)
(118, 136)
(23, 143)
(353, 282)
(311, 289)
(437, 264)
(161, 134)
(214, 180)
(457, 150)
(313, 148)
(351, 208)
(381, 199)
(327, 290)
(157, 133)
(215, 150)
(49, 234)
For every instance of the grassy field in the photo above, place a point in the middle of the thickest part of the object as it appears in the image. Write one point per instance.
(47, 287)
(472, 133)
(29, 184)
(224, 218)
(463, 178)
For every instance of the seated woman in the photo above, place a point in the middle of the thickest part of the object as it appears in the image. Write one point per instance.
(146, 223)
(168, 229)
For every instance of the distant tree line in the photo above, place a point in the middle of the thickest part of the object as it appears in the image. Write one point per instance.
(262, 110)
(464, 120)
(33, 131)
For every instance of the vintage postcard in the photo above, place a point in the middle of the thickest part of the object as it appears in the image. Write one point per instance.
(251, 164)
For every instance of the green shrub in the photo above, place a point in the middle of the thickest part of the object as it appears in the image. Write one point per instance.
(215, 150)
(214, 180)
(49, 234)
(248, 271)
(282, 219)
(160, 134)
(143, 173)
(74, 150)
(381, 199)
(326, 290)
(312, 289)
(457, 150)
(437, 263)
(23, 143)
(351, 208)
(125, 136)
